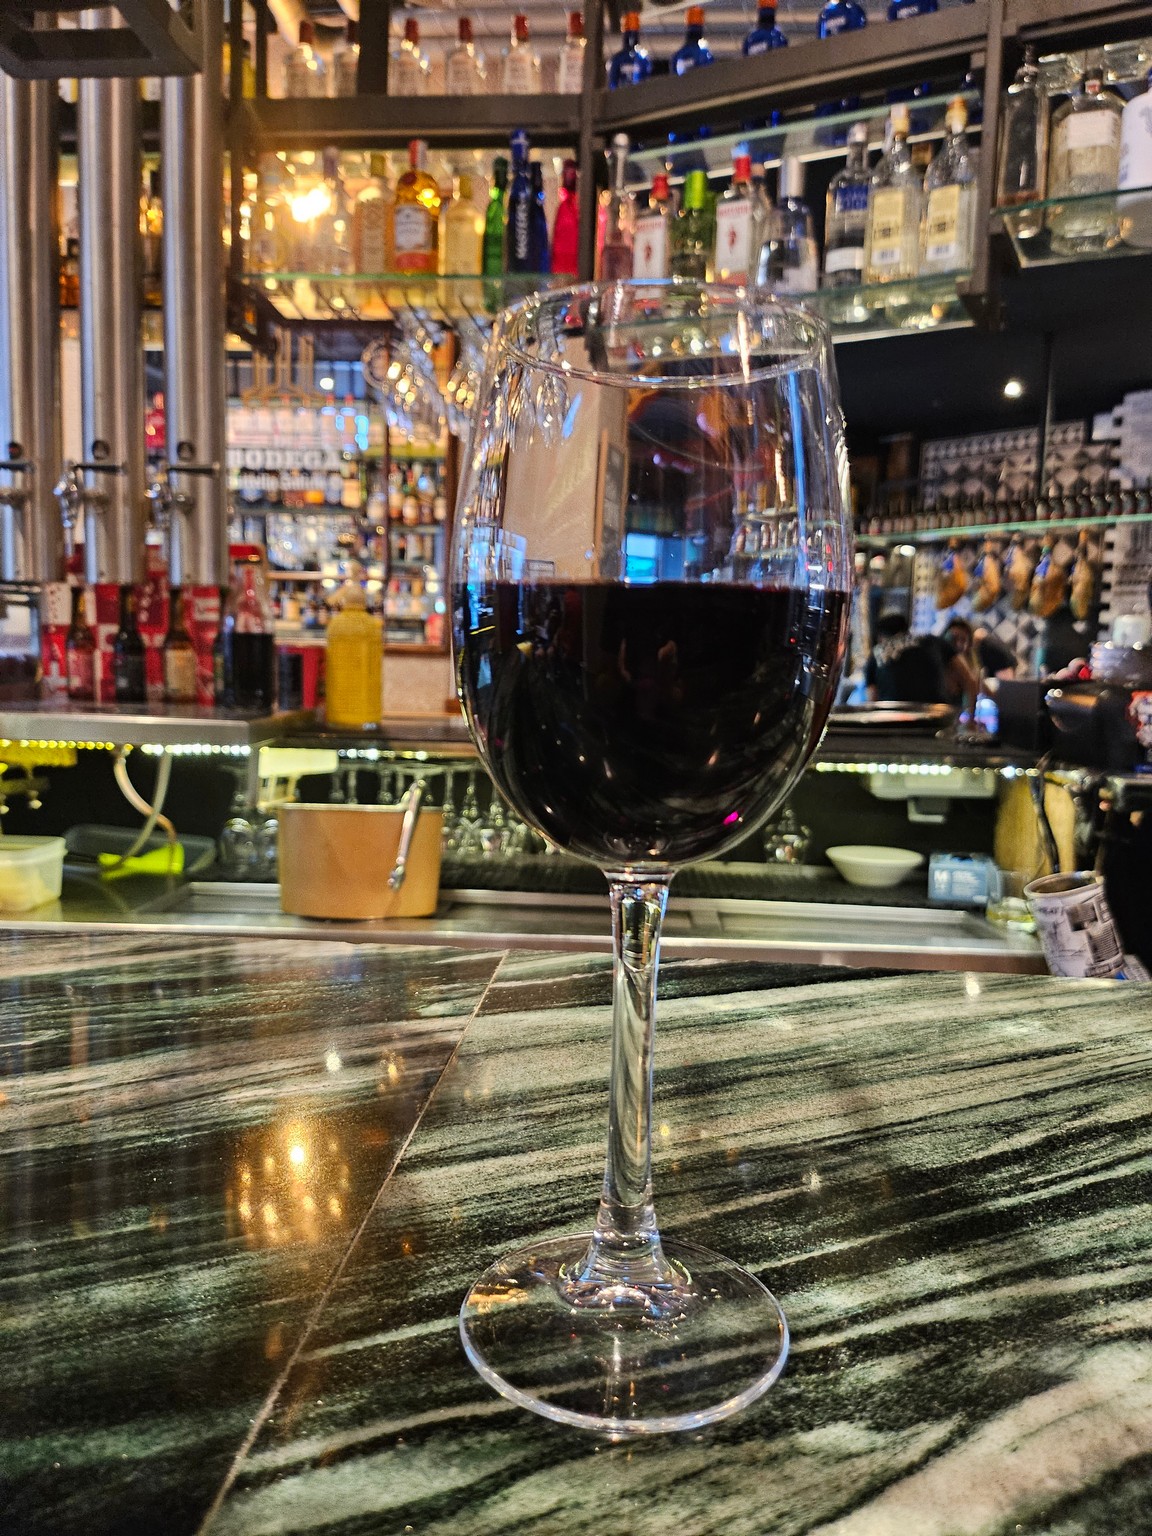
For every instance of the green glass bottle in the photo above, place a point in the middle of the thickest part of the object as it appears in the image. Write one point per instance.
(493, 248)
(693, 232)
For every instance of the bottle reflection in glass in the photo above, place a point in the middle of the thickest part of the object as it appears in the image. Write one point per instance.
(642, 710)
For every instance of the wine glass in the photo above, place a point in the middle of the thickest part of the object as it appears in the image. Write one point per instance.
(650, 582)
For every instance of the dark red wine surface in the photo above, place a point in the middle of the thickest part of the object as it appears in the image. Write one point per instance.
(646, 724)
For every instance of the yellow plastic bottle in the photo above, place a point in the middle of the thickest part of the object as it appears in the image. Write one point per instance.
(354, 663)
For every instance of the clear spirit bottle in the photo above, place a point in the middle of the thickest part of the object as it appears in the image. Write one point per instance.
(1085, 160)
(693, 52)
(892, 244)
(521, 73)
(765, 35)
(570, 65)
(346, 62)
(630, 63)
(846, 228)
(464, 73)
(410, 68)
(616, 217)
(305, 73)
(949, 199)
(1022, 172)
(789, 257)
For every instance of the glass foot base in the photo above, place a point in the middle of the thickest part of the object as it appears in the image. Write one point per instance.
(702, 1349)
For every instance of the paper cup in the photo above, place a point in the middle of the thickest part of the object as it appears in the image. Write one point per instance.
(1077, 929)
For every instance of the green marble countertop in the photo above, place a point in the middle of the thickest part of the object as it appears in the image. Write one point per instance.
(245, 1183)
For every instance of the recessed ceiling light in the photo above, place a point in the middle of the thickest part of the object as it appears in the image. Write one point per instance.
(1013, 389)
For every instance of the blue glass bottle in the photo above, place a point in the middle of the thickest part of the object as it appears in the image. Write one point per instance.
(901, 10)
(520, 205)
(765, 35)
(631, 62)
(538, 254)
(694, 51)
(841, 16)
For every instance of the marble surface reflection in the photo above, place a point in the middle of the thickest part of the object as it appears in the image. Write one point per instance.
(189, 1140)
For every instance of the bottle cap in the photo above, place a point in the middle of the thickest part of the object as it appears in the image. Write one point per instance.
(632, 22)
(575, 23)
(417, 154)
(520, 28)
(695, 189)
(307, 33)
(742, 168)
(791, 176)
(411, 30)
(660, 185)
(694, 16)
(464, 29)
(899, 119)
(858, 133)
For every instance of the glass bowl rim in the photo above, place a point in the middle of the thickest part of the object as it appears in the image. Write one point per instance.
(807, 354)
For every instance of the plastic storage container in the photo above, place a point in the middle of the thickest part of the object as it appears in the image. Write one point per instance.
(31, 872)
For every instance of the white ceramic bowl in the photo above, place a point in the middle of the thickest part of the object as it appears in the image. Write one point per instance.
(864, 864)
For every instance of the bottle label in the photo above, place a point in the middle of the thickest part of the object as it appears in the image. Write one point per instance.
(830, 25)
(180, 676)
(463, 78)
(849, 258)
(412, 237)
(888, 219)
(733, 239)
(851, 197)
(650, 246)
(942, 227)
(801, 275)
(1091, 130)
(519, 73)
(570, 81)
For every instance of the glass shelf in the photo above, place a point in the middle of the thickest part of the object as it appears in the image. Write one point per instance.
(993, 530)
(1087, 228)
(891, 309)
(319, 296)
(808, 138)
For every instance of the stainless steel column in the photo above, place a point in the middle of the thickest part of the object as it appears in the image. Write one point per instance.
(191, 189)
(111, 356)
(30, 532)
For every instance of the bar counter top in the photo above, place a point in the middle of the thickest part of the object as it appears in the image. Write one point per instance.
(244, 1184)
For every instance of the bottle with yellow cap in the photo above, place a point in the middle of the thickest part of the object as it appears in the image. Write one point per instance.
(354, 663)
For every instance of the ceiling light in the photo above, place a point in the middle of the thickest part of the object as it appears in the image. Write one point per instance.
(1013, 389)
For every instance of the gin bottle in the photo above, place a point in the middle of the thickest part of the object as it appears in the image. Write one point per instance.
(464, 72)
(1085, 159)
(846, 216)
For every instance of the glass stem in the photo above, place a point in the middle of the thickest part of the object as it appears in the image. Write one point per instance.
(625, 1251)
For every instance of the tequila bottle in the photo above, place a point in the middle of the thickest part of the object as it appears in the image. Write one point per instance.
(892, 244)
(949, 199)
(1085, 159)
(465, 74)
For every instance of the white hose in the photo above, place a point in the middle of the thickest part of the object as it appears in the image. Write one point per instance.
(138, 803)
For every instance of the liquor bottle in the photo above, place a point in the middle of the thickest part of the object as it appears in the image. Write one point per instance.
(521, 71)
(461, 245)
(846, 216)
(152, 239)
(538, 253)
(841, 16)
(901, 10)
(353, 663)
(892, 245)
(630, 63)
(305, 73)
(617, 217)
(652, 245)
(1085, 159)
(949, 198)
(566, 225)
(128, 652)
(492, 263)
(765, 35)
(372, 219)
(789, 257)
(249, 652)
(732, 257)
(464, 73)
(692, 233)
(346, 62)
(331, 231)
(80, 651)
(267, 230)
(1136, 169)
(518, 251)
(179, 654)
(408, 75)
(416, 214)
(1022, 174)
(570, 65)
(693, 51)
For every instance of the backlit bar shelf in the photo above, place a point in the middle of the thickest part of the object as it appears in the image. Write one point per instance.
(1096, 226)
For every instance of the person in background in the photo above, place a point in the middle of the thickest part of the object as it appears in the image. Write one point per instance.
(980, 649)
(915, 669)
(1063, 647)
